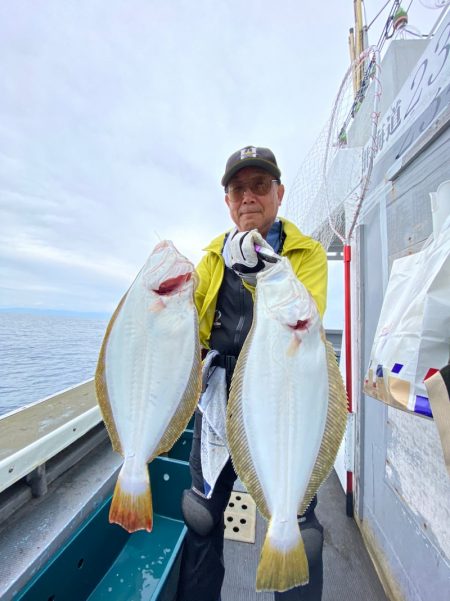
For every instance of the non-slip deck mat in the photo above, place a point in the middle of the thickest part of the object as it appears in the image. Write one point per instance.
(240, 518)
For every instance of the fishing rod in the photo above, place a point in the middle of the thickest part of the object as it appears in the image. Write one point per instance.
(267, 254)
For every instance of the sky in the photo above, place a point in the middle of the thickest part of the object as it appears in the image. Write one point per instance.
(117, 118)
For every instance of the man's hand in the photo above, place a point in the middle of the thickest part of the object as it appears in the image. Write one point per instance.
(244, 259)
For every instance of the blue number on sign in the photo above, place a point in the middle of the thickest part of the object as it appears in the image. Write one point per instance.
(445, 48)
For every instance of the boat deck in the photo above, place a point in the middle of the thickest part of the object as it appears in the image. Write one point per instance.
(348, 570)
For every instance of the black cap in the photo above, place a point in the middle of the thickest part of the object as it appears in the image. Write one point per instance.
(250, 156)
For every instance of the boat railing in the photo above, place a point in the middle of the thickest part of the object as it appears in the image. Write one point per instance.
(42, 440)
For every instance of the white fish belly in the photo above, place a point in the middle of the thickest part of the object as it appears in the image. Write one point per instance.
(149, 360)
(285, 399)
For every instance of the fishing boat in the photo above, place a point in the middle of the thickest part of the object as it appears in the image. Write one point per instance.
(387, 534)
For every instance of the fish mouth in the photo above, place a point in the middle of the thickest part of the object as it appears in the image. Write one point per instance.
(167, 272)
(173, 285)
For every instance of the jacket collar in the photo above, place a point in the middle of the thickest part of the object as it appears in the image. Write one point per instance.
(295, 240)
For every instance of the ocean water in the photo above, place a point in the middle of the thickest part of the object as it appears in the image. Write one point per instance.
(43, 354)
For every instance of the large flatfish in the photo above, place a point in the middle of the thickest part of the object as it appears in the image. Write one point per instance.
(286, 418)
(148, 376)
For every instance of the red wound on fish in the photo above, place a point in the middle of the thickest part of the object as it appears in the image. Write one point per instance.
(302, 324)
(172, 284)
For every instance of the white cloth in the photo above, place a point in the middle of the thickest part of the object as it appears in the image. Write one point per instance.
(213, 405)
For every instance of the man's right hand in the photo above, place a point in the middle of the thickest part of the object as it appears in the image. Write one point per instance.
(244, 259)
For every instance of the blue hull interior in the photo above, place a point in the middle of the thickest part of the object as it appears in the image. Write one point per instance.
(101, 561)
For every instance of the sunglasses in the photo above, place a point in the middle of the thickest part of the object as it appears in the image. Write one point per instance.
(259, 185)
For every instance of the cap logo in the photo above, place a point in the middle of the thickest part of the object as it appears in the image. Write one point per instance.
(249, 151)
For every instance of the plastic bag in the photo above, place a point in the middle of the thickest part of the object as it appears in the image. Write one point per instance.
(412, 341)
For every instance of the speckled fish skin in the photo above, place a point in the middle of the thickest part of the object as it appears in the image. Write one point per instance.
(278, 415)
(148, 375)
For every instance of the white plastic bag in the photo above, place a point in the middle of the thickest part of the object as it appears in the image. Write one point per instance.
(412, 340)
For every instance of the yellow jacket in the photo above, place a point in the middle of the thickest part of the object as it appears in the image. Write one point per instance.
(308, 259)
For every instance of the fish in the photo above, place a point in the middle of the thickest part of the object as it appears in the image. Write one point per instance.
(286, 417)
(148, 376)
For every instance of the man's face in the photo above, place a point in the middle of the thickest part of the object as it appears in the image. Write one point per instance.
(249, 208)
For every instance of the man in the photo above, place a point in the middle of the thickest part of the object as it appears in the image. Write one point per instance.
(224, 300)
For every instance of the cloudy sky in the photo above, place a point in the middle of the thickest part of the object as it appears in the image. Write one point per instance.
(117, 117)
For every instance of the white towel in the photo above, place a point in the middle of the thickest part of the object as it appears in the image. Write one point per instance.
(213, 405)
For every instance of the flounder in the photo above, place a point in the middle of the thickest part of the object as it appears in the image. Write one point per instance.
(148, 376)
(286, 418)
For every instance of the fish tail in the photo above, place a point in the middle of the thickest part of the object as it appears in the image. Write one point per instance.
(282, 567)
(131, 505)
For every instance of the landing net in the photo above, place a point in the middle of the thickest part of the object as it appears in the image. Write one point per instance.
(326, 196)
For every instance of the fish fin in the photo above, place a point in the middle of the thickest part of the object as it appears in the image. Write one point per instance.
(282, 569)
(236, 435)
(131, 505)
(335, 424)
(187, 404)
(101, 386)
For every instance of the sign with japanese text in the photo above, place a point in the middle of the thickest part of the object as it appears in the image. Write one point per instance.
(425, 94)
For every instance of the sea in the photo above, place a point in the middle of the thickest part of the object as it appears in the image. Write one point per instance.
(42, 354)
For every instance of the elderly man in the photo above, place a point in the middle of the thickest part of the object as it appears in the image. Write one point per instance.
(224, 299)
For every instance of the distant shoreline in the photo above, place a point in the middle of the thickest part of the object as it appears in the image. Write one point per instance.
(55, 312)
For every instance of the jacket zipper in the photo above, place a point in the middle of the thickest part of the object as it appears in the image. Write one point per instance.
(240, 325)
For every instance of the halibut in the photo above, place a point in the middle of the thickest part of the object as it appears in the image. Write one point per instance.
(286, 417)
(148, 376)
